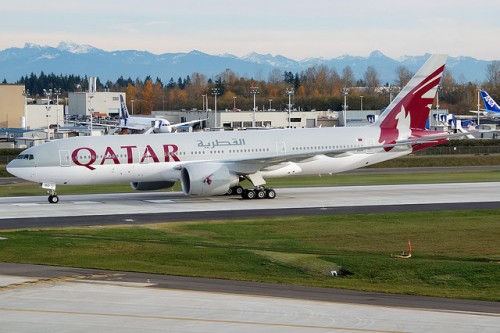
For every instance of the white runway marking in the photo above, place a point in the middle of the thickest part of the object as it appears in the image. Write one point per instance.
(26, 204)
(85, 202)
(159, 201)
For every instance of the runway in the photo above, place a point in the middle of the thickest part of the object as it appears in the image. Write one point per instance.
(57, 299)
(142, 207)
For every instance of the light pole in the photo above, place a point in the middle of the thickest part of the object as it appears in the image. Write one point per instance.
(437, 101)
(48, 93)
(270, 106)
(361, 102)
(215, 92)
(234, 103)
(26, 93)
(203, 102)
(478, 103)
(289, 92)
(254, 91)
(57, 92)
(345, 92)
(91, 95)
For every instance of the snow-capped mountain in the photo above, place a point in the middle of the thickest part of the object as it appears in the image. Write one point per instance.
(71, 58)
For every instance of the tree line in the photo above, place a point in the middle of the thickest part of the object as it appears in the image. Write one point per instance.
(318, 87)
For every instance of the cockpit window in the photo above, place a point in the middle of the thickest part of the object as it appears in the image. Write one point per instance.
(25, 157)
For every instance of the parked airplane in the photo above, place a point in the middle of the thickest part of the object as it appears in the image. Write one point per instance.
(147, 124)
(214, 163)
(492, 109)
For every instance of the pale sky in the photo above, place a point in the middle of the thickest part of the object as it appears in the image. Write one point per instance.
(297, 29)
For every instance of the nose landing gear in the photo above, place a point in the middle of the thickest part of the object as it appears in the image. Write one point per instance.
(51, 190)
(53, 198)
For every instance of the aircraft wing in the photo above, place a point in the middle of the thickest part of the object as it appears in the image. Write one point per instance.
(486, 113)
(134, 128)
(247, 166)
(187, 123)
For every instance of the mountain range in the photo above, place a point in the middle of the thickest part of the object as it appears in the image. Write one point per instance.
(70, 58)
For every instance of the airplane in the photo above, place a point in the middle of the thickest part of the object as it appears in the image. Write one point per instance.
(147, 124)
(492, 109)
(214, 163)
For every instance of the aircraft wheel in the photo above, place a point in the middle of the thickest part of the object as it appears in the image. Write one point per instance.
(238, 190)
(53, 199)
(270, 194)
(248, 194)
(261, 194)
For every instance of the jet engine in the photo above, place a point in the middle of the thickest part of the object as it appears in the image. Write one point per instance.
(205, 179)
(150, 186)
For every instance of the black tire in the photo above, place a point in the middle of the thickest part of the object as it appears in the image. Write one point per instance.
(53, 199)
(260, 194)
(238, 190)
(250, 194)
(270, 194)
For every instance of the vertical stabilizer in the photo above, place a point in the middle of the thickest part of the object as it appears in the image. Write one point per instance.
(489, 102)
(409, 111)
(411, 106)
(123, 112)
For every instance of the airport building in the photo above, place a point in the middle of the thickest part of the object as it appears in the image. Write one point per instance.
(355, 118)
(100, 104)
(12, 106)
(235, 120)
(20, 111)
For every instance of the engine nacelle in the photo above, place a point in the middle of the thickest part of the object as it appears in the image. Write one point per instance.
(205, 179)
(150, 186)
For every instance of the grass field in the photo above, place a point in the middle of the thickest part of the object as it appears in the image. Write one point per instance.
(456, 253)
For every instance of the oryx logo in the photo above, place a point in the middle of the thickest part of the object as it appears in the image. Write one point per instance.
(401, 132)
(411, 109)
(208, 180)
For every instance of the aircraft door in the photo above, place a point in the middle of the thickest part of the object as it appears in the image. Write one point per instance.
(280, 148)
(64, 158)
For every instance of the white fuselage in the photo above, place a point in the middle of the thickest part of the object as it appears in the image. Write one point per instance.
(146, 158)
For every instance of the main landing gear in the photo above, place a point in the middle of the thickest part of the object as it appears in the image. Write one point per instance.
(253, 193)
(258, 193)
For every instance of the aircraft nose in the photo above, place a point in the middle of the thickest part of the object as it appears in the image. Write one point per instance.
(12, 166)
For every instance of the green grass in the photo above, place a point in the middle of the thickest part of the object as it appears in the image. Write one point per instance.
(456, 253)
(440, 161)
